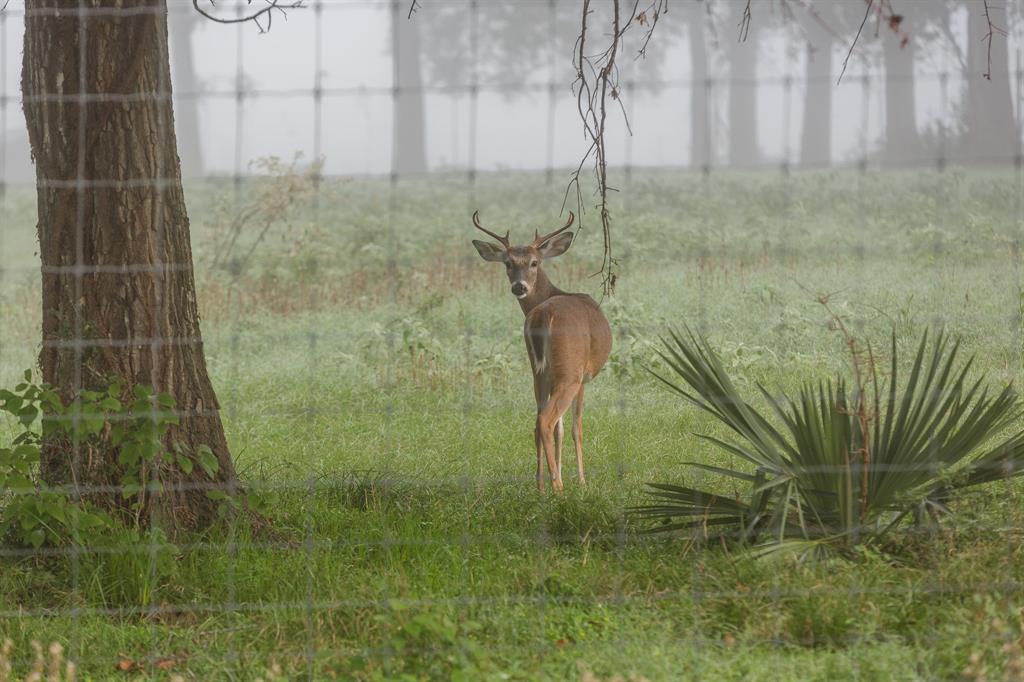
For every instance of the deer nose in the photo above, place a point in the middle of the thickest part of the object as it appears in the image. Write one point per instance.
(519, 288)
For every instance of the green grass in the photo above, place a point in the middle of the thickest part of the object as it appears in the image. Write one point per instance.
(381, 366)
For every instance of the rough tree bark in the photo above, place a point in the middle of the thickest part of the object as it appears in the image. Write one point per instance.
(902, 142)
(991, 133)
(409, 151)
(119, 296)
(816, 138)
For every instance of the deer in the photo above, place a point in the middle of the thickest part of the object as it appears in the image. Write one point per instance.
(568, 340)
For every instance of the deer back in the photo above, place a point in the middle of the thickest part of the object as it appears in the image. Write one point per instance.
(568, 338)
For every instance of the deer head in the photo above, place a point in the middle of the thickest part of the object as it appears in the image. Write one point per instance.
(523, 263)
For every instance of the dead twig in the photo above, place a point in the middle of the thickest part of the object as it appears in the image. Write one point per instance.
(266, 14)
(413, 8)
(597, 80)
(993, 31)
(883, 13)
(867, 13)
(745, 23)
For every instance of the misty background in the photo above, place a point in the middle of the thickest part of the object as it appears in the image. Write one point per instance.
(486, 86)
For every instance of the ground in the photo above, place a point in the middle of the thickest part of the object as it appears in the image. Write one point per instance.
(371, 370)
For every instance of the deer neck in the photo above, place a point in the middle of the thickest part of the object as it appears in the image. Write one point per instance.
(542, 290)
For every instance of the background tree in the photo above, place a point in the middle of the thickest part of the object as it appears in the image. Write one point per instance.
(183, 23)
(902, 142)
(743, 56)
(700, 129)
(816, 135)
(118, 294)
(990, 125)
(409, 146)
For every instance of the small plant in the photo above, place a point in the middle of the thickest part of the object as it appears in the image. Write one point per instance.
(424, 645)
(849, 464)
(36, 512)
(281, 189)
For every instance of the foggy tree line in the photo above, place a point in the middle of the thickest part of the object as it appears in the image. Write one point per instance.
(984, 127)
(431, 49)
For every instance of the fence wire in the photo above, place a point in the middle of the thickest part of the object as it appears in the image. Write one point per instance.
(312, 348)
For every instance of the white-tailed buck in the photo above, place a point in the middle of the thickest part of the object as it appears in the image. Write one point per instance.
(567, 338)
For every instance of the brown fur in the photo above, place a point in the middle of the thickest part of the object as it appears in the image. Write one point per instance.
(567, 338)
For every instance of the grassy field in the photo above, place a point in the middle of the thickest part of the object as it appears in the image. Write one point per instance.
(371, 370)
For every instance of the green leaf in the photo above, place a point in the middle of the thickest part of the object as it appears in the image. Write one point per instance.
(37, 537)
(207, 460)
(184, 463)
(109, 404)
(28, 414)
(130, 486)
(128, 454)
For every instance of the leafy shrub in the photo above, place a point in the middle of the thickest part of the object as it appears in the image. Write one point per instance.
(847, 466)
(33, 512)
(121, 560)
(280, 191)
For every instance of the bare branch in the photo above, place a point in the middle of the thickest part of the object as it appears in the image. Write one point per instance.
(993, 31)
(867, 13)
(883, 13)
(656, 9)
(597, 80)
(745, 24)
(413, 8)
(266, 14)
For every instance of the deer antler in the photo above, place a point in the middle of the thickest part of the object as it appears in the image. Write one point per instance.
(538, 240)
(503, 240)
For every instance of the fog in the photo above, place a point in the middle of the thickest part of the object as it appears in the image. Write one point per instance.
(523, 113)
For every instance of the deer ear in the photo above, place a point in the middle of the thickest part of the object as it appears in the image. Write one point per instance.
(557, 246)
(489, 251)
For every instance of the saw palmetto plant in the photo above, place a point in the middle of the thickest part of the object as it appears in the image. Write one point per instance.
(843, 462)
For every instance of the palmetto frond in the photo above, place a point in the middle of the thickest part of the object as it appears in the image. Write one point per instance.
(834, 464)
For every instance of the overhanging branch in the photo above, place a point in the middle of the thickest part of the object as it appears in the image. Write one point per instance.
(262, 17)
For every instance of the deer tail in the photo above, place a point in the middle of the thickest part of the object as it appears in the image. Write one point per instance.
(538, 338)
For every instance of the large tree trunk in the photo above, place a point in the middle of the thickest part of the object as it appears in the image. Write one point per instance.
(409, 154)
(991, 135)
(816, 139)
(700, 130)
(183, 20)
(743, 149)
(119, 295)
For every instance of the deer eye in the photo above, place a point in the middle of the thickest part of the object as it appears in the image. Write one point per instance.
(533, 264)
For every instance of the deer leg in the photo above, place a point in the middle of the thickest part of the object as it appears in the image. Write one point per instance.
(577, 433)
(540, 454)
(559, 435)
(547, 420)
(541, 391)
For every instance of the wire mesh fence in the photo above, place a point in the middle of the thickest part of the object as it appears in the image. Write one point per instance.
(370, 372)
